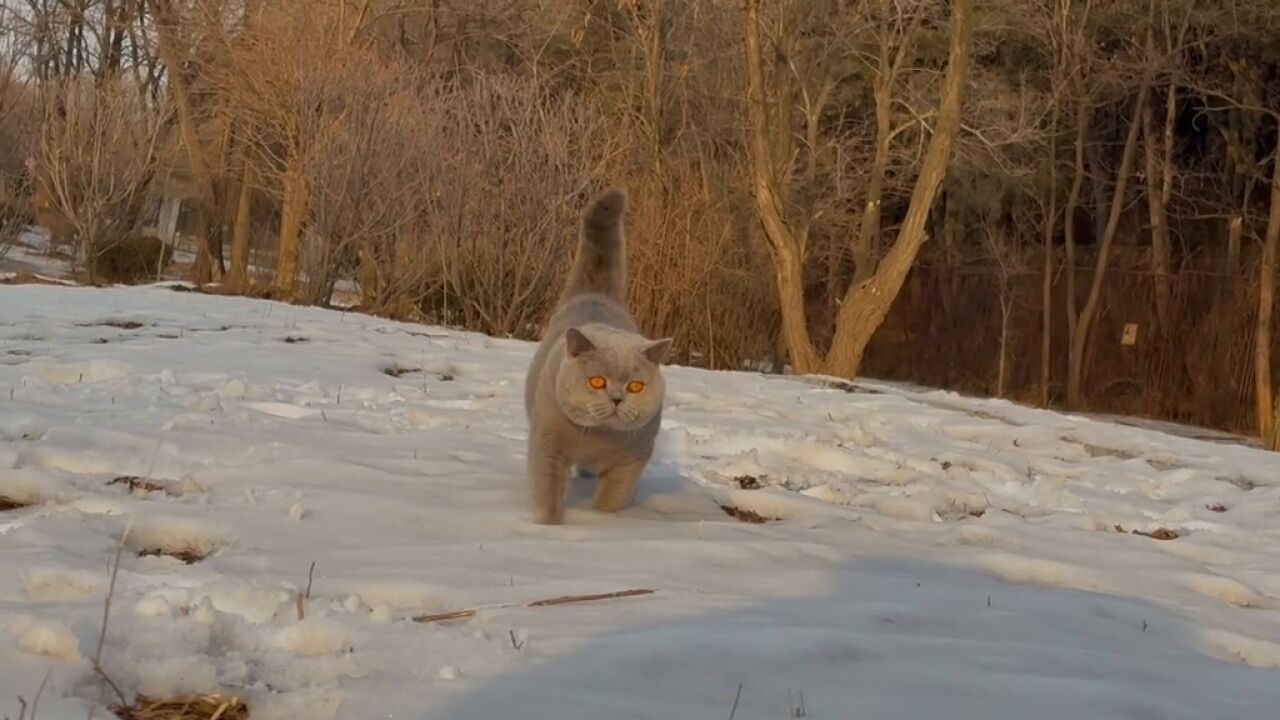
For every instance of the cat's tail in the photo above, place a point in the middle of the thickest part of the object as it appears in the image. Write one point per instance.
(600, 266)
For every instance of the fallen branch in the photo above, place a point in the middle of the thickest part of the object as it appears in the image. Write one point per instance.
(566, 599)
(562, 600)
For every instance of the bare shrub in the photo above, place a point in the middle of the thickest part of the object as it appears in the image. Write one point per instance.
(510, 171)
(130, 260)
(97, 157)
(694, 273)
(376, 122)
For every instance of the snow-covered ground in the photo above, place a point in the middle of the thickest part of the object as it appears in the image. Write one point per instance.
(29, 253)
(933, 556)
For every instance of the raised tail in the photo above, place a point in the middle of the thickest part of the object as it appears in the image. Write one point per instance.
(600, 266)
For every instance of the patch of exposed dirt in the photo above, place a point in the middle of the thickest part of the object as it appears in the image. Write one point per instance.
(7, 503)
(396, 371)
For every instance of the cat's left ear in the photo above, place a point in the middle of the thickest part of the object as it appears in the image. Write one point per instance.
(576, 343)
(657, 350)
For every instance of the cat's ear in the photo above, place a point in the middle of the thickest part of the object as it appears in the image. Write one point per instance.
(575, 343)
(657, 350)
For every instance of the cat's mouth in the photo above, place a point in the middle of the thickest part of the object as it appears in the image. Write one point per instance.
(623, 419)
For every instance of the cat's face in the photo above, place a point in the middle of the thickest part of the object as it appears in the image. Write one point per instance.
(611, 379)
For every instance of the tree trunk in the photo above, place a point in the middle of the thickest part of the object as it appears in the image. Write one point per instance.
(292, 211)
(1158, 171)
(1046, 290)
(1006, 312)
(203, 269)
(866, 304)
(866, 245)
(1235, 232)
(1069, 215)
(1079, 342)
(1266, 302)
(238, 274)
(370, 285)
(1273, 442)
(785, 250)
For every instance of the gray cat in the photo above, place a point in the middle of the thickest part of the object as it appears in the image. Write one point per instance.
(594, 391)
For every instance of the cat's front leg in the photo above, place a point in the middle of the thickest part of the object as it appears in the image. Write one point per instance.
(617, 485)
(548, 478)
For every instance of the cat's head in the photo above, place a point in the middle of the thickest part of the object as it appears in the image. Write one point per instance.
(610, 379)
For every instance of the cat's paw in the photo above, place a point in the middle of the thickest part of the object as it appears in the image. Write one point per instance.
(611, 504)
(548, 517)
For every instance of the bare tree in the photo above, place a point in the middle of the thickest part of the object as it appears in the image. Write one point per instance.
(1158, 142)
(208, 264)
(1008, 264)
(865, 304)
(1088, 313)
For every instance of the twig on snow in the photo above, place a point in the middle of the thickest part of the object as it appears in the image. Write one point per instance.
(566, 599)
(562, 600)
(734, 711)
(106, 616)
(303, 597)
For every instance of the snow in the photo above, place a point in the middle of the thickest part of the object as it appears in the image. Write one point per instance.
(31, 253)
(932, 555)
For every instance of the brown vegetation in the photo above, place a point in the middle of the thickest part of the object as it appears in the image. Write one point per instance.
(194, 707)
(1058, 201)
(131, 260)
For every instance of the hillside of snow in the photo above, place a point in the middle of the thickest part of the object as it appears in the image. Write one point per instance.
(925, 555)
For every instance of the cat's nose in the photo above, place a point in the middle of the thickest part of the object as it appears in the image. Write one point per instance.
(616, 401)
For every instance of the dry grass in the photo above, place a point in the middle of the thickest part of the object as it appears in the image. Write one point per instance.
(396, 371)
(195, 707)
(115, 323)
(1157, 534)
(138, 484)
(746, 516)
(186, 555)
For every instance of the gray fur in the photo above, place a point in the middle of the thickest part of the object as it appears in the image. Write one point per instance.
(609, 432)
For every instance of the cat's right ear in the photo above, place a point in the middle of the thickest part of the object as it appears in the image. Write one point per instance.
(575, 343)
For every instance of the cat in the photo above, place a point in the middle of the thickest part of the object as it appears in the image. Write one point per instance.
(594, 391)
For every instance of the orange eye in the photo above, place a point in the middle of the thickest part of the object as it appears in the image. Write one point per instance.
(635, 387)
(597, 382)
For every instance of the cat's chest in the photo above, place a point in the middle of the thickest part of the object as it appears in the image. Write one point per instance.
(600, 448)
